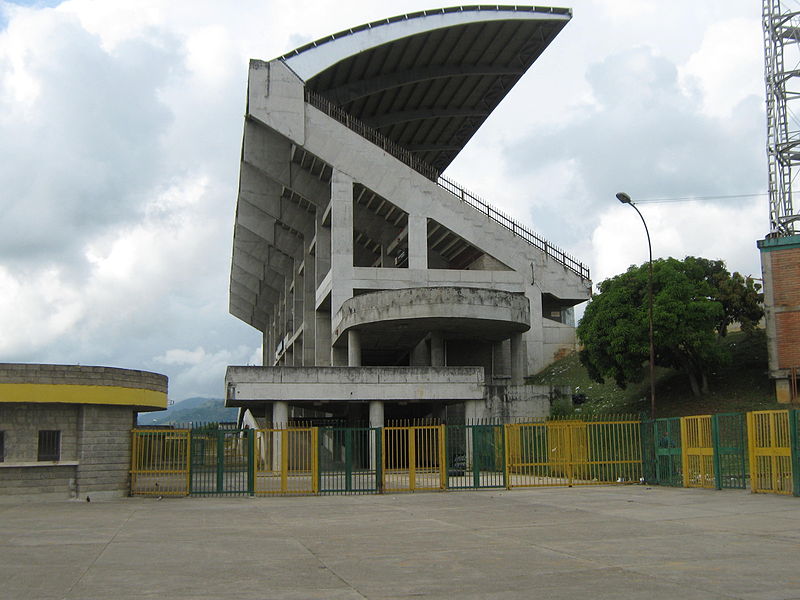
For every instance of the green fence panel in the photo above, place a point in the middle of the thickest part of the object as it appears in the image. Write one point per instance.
(667, 447)
(729, 431)
(475, 456)
(647, 437)
(349, 460)
(221, 462)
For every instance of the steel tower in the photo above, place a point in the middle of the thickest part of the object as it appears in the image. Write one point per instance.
(781, 23)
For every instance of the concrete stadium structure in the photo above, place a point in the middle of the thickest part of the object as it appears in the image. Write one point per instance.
(65, 430)
(383, 289)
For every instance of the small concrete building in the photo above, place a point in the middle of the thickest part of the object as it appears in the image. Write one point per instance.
(65, 430)
(383, 289)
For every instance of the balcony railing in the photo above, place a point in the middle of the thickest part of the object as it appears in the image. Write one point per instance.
(473, 200)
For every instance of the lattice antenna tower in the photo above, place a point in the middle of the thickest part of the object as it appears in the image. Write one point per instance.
(781, 22)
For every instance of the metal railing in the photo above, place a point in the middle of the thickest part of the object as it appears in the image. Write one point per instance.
(467, 197)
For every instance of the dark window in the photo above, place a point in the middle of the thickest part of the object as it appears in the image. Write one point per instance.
(2, 446)
(49, 445)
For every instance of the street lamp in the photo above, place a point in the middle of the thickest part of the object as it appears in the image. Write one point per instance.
(626, 199)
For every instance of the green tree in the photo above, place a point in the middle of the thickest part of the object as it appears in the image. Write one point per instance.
(694, 302)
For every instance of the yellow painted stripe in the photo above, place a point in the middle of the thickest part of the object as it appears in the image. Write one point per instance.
(41, 393)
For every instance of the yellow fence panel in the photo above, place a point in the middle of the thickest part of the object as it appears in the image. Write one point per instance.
(160, 462)
(770, 451)
(572, 453)
(698, 451)
(286, 461)
(413, 458)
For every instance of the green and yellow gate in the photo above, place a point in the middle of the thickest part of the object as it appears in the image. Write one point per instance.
(160, 462)
(413, 458)
(770, 436)
(698, 452)
(475, 456)
(349, 460)
(286, 461)
(570, 453)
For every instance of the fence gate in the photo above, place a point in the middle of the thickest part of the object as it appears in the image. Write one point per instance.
(698, 452)
(160, 462)
(769, 440)
(729, 431)
(221, 461)
(573, 453)
(668, 467)
(475, 456)
(413, 458)
(286, 461)
(349, 460)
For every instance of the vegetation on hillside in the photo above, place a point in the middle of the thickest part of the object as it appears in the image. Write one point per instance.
(741, 384)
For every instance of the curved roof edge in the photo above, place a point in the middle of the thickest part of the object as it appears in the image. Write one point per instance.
(314, 57)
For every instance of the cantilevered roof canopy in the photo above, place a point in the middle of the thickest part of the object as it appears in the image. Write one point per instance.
(428, 80)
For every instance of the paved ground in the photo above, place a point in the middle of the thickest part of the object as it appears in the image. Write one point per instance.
(593, 543)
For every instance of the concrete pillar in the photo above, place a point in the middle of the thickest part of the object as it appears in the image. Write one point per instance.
(265, 352)
(339, 357)
(309, 314)
(417, 242)
(420, 356)
(375, 420)
(280, 419)
(517, 360)
(437, 349)
(341, 240)
(473, 409)
(322, 258)
(353, 348)
(322, 344)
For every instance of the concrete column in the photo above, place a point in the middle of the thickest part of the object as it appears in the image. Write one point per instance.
(339, 357)
(280, 418)
(341, 240)
(265, 362)
(322, 331)
(420, 356)
(417, 242)
(309, 314)
(473, 409)
(375, 420)
(437, 349)
(353, 348)
(517, 359)
(322, 259)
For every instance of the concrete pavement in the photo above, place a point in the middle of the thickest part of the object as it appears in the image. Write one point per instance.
(593, 543)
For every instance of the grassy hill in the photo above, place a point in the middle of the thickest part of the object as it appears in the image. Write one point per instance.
(191, 410)
(741, 385)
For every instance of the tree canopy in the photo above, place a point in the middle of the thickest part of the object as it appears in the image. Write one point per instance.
(694, 302)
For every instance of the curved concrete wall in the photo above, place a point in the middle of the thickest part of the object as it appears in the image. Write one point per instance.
(450, 303)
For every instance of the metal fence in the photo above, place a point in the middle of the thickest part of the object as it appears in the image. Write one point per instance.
(573, 453)
(758, 450)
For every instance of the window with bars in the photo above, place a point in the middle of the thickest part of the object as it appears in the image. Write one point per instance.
(49, 445)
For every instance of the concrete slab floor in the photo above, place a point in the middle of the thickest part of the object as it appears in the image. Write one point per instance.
(599, 542)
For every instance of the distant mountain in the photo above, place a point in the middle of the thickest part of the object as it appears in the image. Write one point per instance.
(191, 410)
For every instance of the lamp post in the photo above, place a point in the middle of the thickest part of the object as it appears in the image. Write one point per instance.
(626, 199)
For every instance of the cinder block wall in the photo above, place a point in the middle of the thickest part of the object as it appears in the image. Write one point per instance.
(95, 449)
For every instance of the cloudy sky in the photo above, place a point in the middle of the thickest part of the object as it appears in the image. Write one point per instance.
(120, 131)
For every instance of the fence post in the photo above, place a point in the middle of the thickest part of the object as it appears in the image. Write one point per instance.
(251, 466)
(715, 448)
(506, 455)
(794, 442)
(377, 432)
(314, 460)
(220, 460)
(684, 456)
